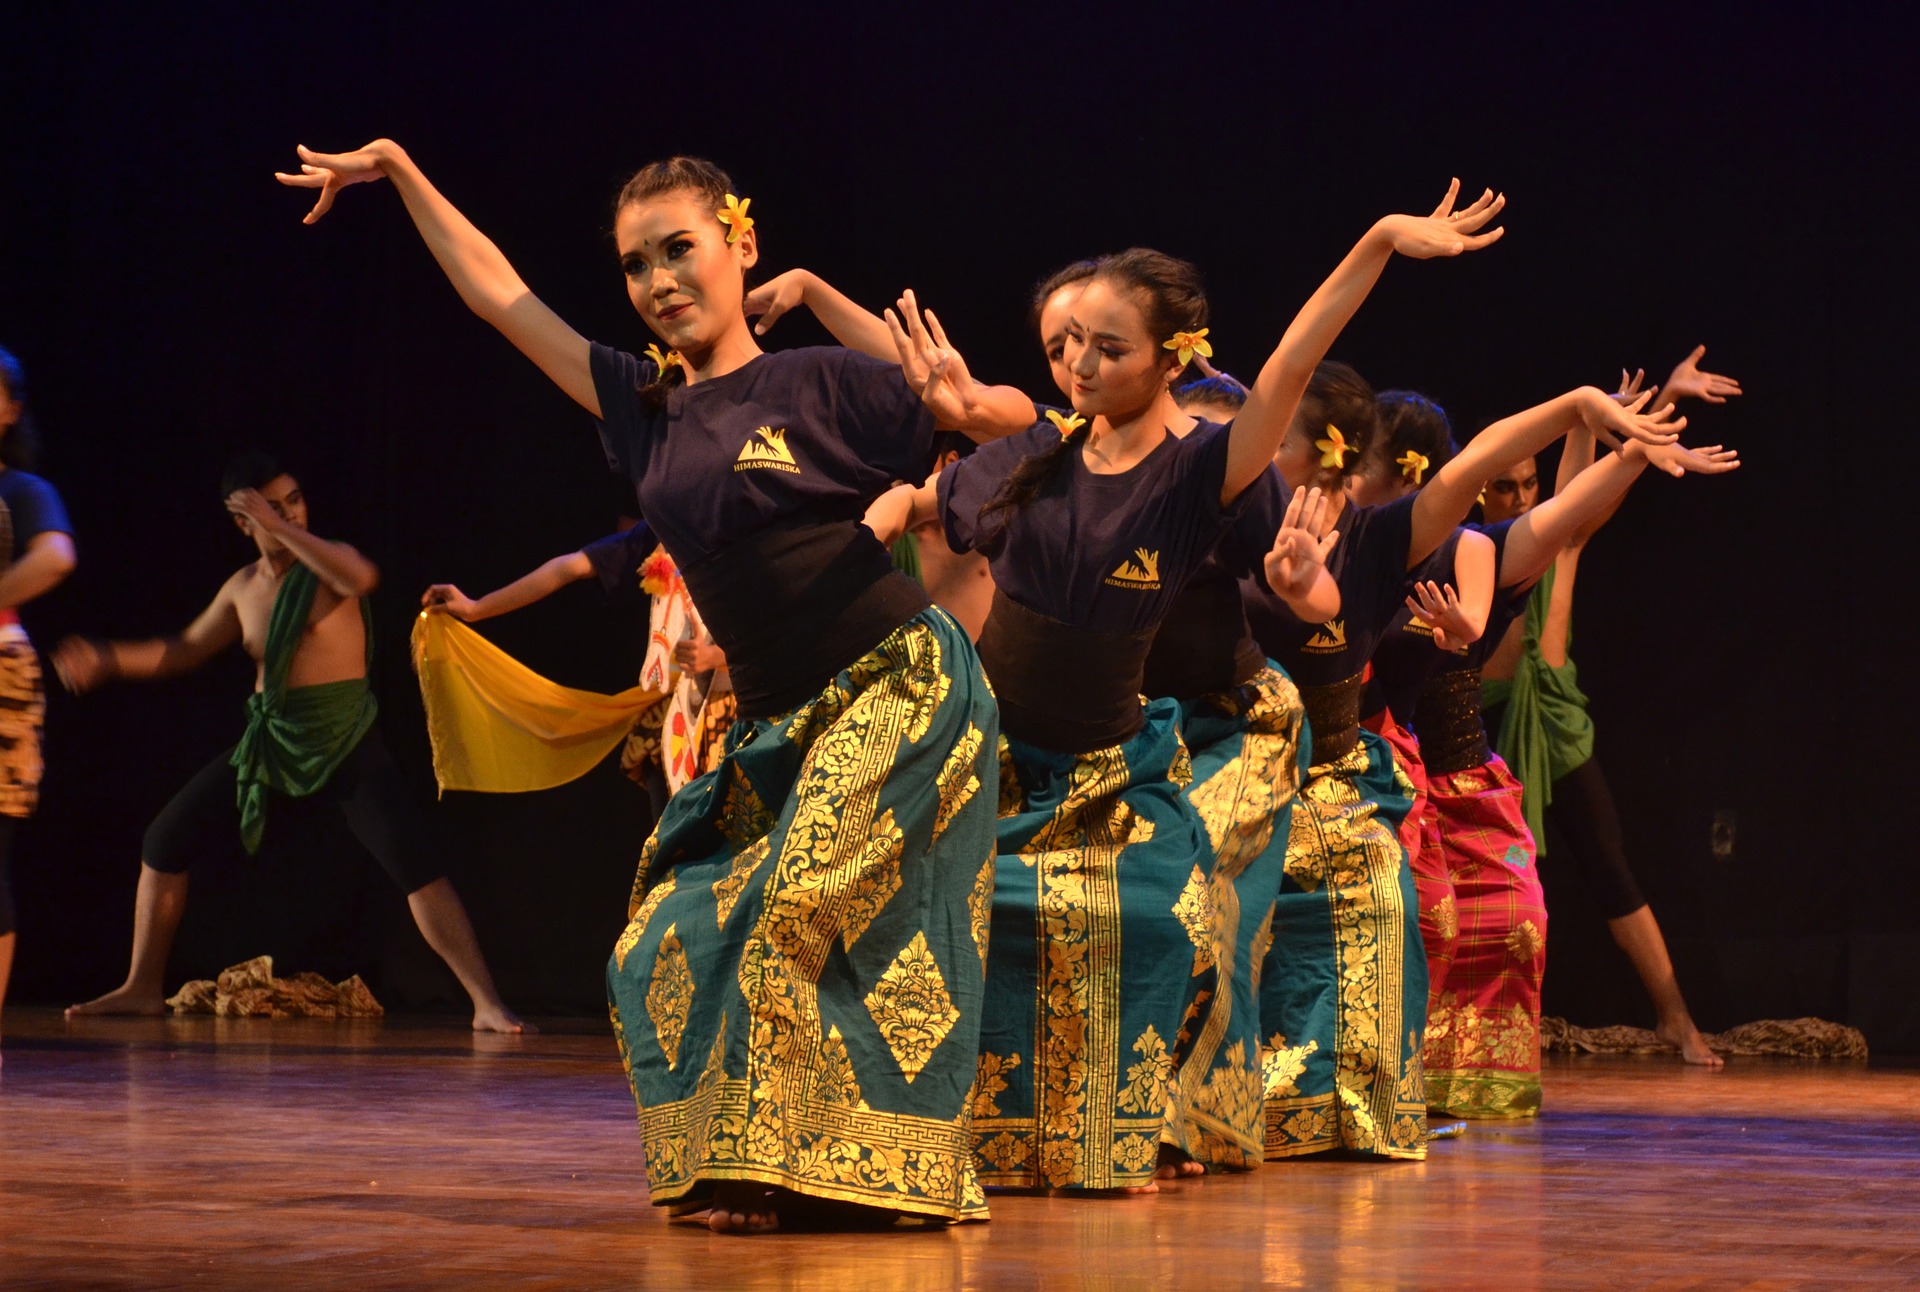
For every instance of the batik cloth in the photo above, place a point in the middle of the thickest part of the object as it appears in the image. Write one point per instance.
(23, 713)
(1483, 1027)
(1343, 990)
(1432, 882)
(1101, 951)
(1248, 750)
(798, 994)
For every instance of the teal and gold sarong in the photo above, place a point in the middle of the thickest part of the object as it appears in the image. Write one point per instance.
(1102, 942)
(1247, 746)
(798, 995)
(1343, 990)
(296, 737)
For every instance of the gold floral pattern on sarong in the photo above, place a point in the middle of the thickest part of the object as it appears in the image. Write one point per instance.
(1196, 913)
(835, 1082)
(670, 995)
(912, 1008)
(1281, 1065)
(637, 926)
(727, 890)
(980, 906)
(1526, 941)
(990, 1082)
(744, 816)
(1146, 1088)
(877, 879)
(958, 781)
(1446, 918)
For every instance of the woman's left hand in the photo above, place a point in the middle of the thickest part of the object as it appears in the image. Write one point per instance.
(931, 365)
(1437, 606)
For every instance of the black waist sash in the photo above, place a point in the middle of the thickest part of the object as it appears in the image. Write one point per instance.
(1453, 737)
(792, 607)
(1203, 646)
(1333, 711)
(1070, 690)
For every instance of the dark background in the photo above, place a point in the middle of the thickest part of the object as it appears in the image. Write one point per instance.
(1737, 177)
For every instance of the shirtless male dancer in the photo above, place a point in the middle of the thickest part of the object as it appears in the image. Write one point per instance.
(300, 611)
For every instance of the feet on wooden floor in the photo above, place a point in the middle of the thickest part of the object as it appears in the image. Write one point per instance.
(496, 1018)
(1176, 1165)
(743, 1207)
(1685, 1037)
(747, 1207)
(127, 999)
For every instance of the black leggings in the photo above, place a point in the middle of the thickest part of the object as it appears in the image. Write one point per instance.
(8, 825)
(1584, 827)
(365, 791)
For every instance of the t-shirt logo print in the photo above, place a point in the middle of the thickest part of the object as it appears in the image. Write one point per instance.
(1330, 640)
(1144, 576)
(768, 449)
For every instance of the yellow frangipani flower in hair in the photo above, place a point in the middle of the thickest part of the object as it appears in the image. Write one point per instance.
(664, 361)
(1334, 449)
(1188, 344)
(734, 216)
(1413, 466)
(1067, 422)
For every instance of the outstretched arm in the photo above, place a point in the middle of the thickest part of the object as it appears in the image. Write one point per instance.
(339, 566)
(84, 663)
(1446, 499)
(1262, 423)
(852, 326)
(541, 583)
(48, 560)
(486, 282)
(934, 368)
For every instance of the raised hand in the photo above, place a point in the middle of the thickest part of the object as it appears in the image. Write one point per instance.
(931, 365)
(1689, 382)
(331, 172)
(1438, 607)
(1678, 460)
(775, 297)
(1630, 386)
(1301, 546)
(1447, 232)
(444, 598)
(252, 506)
(81, 664)
(1614, 422)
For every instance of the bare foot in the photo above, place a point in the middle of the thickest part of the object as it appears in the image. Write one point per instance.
(1127, 1191)
(496, 1018)
(1176, 1165)
(742, 1207)
(1683, 1036)
(146, 1002)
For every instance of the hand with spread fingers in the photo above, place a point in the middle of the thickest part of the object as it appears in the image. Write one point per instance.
(1679, 460)
(1299, 554)
(1616, 423)
(1688, 381)
(1630, 386)
(931, 365)
(1447, 232)
(1437, 606)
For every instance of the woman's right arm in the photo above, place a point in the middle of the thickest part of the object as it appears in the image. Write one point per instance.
(486, 282)
(523, 591)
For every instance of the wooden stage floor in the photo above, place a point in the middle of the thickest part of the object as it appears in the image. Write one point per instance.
(248, 1154)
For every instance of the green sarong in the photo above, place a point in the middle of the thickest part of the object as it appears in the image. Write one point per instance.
(296, 738)
(1545, 731)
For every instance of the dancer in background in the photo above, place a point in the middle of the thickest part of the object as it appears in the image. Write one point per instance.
(1104, 925)
(1344, 996)
(1538, 715)
(300, 611)
(798, 994)
(36, 555)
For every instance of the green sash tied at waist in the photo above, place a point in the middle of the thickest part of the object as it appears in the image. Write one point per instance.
(296, 738)
(1545, 732)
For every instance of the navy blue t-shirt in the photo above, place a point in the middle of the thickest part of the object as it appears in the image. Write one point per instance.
(617, 558)
(803, 436)
(1509, 604)
(1100, 552)
(1369, 562)
(29, 507)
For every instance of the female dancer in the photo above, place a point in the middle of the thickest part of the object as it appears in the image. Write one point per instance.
(1344, 993)
(1540, 724)
(798, 994)
(1482, 1050)
(1102, 915)
(36, 554)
